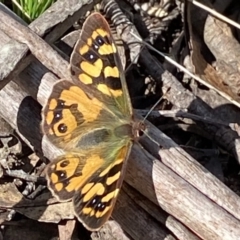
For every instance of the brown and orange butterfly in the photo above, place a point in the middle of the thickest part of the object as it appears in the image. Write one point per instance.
(90, 117)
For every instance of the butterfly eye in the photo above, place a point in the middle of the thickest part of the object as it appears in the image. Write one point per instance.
(62, 128)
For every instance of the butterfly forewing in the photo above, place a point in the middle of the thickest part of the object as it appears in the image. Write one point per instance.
(96, 63)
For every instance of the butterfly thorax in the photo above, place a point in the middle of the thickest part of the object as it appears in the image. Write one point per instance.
(131, 130)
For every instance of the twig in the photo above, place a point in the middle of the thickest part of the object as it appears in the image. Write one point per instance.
(24, 176)
(183, 114)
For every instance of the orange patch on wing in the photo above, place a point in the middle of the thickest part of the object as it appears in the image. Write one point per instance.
(114, 49)
(73, 184)
(98, 32)
(86, 210)
(49, 117)
(90, 166)
(89, 41)
(84, 49)
(70, 166)
(86, 188)
(54, 178)
(119, 159)
(114, 178)
(100, 214)
(110, 196)
(93, 163)
(84, 78)
(92, 213)
(89, 108)
(106, 49)
(104, 172)
(108, 91)
(52, 104)
(111, 72)
(59, 187)
(94, 69)
(97, 189)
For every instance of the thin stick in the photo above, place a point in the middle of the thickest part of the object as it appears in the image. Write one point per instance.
(187, 71)
(215, 13)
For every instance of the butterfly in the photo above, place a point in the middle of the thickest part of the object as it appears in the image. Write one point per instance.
(90, 117)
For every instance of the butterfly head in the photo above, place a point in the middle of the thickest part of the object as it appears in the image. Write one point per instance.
(138, 129)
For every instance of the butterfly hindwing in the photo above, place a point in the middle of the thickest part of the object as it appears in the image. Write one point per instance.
(97, 199)
(90, 181)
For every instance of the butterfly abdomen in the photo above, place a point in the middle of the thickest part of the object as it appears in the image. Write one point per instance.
(104, 135)
(94, 138)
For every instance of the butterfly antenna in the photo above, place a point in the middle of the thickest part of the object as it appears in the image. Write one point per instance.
(153, 140)
(152, 108)
(158, 101)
